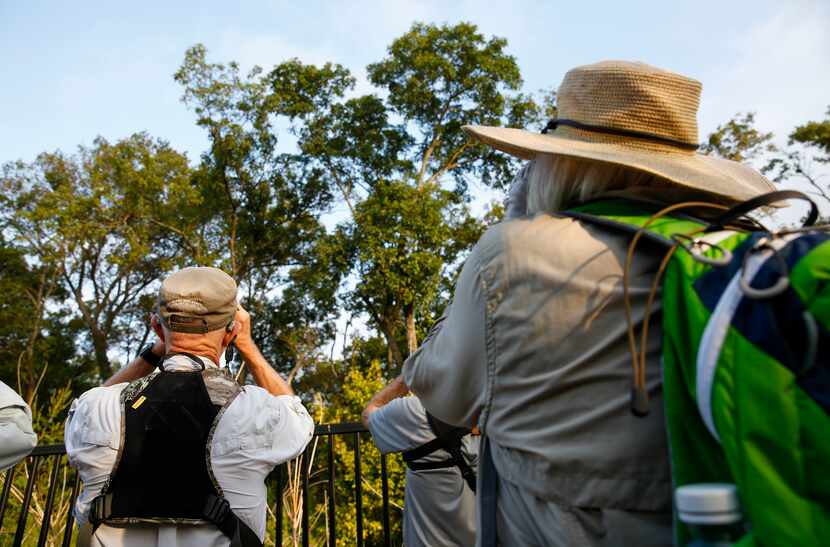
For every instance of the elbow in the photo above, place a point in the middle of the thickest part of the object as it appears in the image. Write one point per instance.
(304, 434)
(17, 447)
(364, 416)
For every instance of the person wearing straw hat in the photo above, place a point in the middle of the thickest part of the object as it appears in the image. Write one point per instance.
(179, 456)
(533, 347)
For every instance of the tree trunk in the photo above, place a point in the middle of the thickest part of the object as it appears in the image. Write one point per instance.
(395, 355)
(411, 334)
(99, 342)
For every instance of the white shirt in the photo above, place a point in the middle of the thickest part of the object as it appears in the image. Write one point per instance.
(16, 436)
(256, 432)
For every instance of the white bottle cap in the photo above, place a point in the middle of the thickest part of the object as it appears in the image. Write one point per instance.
(708, 503)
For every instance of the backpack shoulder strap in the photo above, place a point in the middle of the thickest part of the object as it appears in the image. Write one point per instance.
(631, 216)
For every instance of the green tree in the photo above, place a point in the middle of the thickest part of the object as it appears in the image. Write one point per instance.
(392, 160)
(403, 239)
(739, 140)
(37, 343)
(262, 204)
(108, 222)
(808, 144)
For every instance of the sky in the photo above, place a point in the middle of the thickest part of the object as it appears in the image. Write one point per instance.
(70, 71)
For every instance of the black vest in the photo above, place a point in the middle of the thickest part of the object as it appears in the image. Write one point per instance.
(162, 474)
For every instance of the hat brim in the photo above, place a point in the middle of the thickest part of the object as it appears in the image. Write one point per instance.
(724, 178)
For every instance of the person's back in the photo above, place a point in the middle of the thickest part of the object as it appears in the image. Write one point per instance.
(439, 505)
(559, 420)
(179, 456)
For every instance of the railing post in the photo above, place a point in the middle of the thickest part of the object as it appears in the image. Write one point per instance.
(331, 504)
(358, 491)
(24, 507)
(4, 497)
(384, 480)
(70, 518)
(306, 464)
(278, 505)
(50, 499)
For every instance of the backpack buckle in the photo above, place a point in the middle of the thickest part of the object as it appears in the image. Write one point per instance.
(100, 509)
(216, 509)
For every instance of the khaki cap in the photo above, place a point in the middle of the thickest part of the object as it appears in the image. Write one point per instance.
(197, 300)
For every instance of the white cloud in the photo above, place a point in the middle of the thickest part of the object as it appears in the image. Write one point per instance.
(779, 68)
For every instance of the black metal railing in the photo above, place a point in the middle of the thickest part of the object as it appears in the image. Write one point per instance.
(52, 511)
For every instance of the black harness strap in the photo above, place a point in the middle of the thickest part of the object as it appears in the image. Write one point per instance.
(449, 439)
(218, 511)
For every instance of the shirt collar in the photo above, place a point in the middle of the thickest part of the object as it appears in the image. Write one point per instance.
(181, 362)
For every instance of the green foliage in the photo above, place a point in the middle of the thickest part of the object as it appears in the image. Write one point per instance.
(440, 78)
(104, 222)
(808, 143)
(37, 346)
(738, 139)
(815, 135)
(343, 388)
(390, 160)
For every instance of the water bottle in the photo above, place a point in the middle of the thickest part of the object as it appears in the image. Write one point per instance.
(712, 513)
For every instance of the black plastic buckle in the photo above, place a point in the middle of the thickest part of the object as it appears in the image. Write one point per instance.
(216, 509)
(100, 509)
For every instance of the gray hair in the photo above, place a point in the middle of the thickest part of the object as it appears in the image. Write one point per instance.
(558, 182)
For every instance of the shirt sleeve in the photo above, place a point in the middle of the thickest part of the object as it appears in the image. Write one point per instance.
(262, 429)
(400, 425)
(17, 439)
(448, 372)
(92, 436)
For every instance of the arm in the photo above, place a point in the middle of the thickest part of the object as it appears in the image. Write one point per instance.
(139, 368)
(448, 372)
(264, 375)
(394, 389)
(17, 438)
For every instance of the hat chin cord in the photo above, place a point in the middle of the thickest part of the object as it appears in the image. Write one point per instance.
(639, 391)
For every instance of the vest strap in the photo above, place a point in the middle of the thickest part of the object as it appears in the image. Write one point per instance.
(448, 438)
(217, 511)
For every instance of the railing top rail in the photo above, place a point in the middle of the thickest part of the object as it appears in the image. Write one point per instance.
(341, 428)
(48, 450)
(321, 429)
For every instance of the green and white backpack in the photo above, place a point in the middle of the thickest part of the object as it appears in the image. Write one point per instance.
(746, 360)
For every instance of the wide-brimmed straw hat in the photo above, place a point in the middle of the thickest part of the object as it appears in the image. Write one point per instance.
(634, 115)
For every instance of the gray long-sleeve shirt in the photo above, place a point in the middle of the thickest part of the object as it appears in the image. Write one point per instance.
(16, 436)
(534, 343)
(439, 507)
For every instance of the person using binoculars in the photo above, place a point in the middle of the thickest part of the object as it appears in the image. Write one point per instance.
(171, 450)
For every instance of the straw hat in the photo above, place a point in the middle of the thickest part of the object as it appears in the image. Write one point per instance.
(635, 115)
